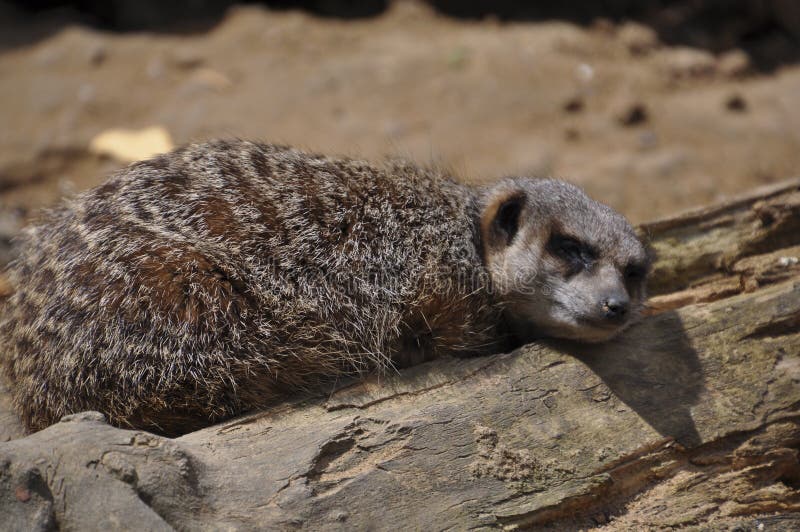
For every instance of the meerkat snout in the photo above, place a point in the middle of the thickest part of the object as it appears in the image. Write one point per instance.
(616, 307)
(563, 264)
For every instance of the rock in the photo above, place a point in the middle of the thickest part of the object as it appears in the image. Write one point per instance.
(736, 103)
(128, 145)
(634, 115)
(100, 478)
(734, 64)
(637, 38)
(584, 72)
(688, 63)
(574, 105)
(84, 417)
(97, 54)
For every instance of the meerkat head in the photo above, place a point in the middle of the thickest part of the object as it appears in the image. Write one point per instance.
(562, 264)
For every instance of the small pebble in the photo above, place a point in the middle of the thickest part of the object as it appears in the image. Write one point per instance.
(636, 114)
(637, 38)
(89, 416)
(574, 105)
(736, 104)
(97, 55)
(584, 72)
(734, 64)
(689, 63)
(785, 262)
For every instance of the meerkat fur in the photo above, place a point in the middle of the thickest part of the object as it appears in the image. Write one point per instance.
(225, 275)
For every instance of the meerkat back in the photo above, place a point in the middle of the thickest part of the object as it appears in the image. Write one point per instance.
(214, 279)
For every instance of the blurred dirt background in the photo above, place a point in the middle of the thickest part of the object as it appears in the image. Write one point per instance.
(653, 106)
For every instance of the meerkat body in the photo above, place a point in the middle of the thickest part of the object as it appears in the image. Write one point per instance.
(214, 279)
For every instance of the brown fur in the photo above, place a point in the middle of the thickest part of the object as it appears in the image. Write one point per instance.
(214, 279)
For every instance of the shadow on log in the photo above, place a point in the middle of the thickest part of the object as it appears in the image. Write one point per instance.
(654, 370)
(691, 419)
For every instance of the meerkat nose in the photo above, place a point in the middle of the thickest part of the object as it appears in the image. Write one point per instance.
(616, 307)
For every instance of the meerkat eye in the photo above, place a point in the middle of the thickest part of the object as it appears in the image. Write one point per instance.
(635, 272)
(577, 254)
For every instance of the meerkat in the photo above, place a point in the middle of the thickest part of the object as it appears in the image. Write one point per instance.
(220, 277)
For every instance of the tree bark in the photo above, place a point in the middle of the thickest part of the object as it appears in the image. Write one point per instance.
(691, 419)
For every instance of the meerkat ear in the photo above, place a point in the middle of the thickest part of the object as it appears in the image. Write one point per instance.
(501, 218)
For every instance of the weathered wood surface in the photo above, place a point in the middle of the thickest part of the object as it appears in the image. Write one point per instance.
(692, 419)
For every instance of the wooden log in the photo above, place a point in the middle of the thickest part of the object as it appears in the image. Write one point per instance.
(691, 419)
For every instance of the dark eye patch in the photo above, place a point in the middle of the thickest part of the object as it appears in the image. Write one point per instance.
(576, 254)
(635, 272)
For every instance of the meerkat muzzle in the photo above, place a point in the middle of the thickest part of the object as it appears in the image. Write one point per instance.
(616, 308)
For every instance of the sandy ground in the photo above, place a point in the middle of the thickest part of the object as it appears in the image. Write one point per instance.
(648, 128)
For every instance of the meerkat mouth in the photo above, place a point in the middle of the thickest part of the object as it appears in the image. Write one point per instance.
(587, 329)
(579, 330)
(594, 335)
(601, 324)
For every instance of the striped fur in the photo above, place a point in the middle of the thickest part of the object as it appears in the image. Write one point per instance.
(223, 276)
(214, 279)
